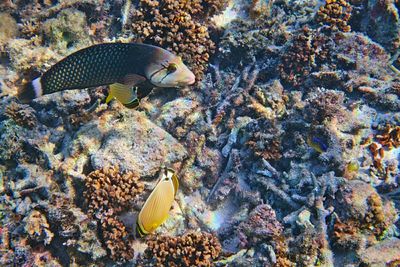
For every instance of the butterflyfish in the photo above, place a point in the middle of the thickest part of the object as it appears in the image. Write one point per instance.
(132, 71)
(156, 208)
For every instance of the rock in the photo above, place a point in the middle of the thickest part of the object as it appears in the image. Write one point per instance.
(136, 144)
(385, 253)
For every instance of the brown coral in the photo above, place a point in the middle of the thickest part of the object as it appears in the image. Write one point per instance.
(390, 138)
(109, 192)
(336, 13)
(191, 249)
(109, 189)
(308, 52)
(23, 115)
(265, 144)
(180, 26)
(116, 237)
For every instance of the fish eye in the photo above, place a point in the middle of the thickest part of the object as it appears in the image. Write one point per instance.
(172, 68)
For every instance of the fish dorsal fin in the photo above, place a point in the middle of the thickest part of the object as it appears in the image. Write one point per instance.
(174, 179)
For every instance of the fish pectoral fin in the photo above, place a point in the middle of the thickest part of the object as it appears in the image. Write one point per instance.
(132, 80)
(125, 94)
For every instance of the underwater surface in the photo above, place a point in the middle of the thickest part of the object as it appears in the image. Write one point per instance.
(284, 150)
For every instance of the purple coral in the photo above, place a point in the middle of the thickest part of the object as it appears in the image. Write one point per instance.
(261, 226)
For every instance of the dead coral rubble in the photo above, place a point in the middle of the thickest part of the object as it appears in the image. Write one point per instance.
(191, 249)
(261, 227)
(180, 26)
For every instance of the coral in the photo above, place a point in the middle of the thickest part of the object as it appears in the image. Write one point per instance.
(336, 13)
(261, 226)
(108, 189)
(191, 249)
(307, 52)
(265, 144)
(37, 228)
(130, 141)
(26, 57)
(381, 23)
(109, 192)
(180, 26)
(390, 137)
(8, 30)
(326, 106)
(68, 31)
(23, 115)
(363, 214)
(11, 141)
(116, 237)
(383, 254)
(77, 230)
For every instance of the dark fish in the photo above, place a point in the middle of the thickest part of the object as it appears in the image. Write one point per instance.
(122, 66)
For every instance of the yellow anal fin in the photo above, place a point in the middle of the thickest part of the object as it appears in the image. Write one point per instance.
(123, 93)
(134, 104)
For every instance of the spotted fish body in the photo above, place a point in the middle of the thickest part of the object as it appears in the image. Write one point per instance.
(94, 66)
(125, 64)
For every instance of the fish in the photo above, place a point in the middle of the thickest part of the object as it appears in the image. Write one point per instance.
(156, 208)
(317, 144)
(131, 70)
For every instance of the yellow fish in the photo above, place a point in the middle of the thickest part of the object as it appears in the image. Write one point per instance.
(155, 210)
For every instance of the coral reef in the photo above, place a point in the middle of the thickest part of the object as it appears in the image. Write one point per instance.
(67, 32)
(110, 189)
(366, 214)
(108, 192)
(8, 29)
(181, 26)
(23, 115)
(336, 13)
(263, 227)
(286, 148)
(190, 249)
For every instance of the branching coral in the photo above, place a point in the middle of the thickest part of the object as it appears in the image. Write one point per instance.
(23, 115)
(191, 249)
(116, 237)
(108, 192)
(336, 13)
(180, 26)
(109, 189)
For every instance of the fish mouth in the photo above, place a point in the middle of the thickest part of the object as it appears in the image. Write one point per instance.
(190, 80)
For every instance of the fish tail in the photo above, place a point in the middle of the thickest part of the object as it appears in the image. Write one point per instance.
(30, 91)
